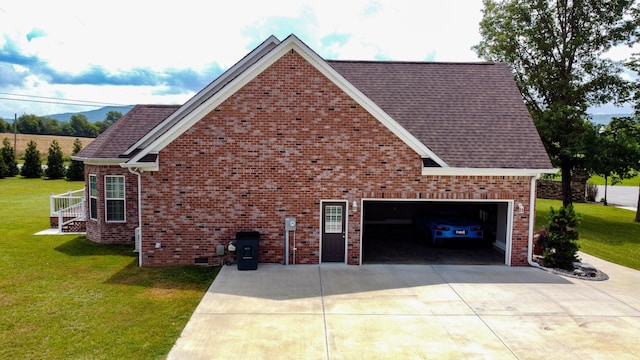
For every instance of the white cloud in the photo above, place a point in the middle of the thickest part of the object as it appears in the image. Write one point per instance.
(119, 37)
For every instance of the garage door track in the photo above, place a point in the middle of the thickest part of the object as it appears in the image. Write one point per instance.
(414, 312)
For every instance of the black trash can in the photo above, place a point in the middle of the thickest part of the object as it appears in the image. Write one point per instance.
(247, 245)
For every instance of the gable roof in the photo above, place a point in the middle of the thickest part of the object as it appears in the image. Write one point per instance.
(205, 94)
(113, 142)
(257, 63)
(456, 115)
(471, 115)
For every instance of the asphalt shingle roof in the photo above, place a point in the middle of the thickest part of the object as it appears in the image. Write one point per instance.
(125, 132)
(469, 114)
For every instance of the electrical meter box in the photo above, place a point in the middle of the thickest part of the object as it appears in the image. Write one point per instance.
(290, 224)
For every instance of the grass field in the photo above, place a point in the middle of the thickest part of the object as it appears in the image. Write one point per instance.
(599, 180)
(605, 232)
(634, 181)
(44, 141)
(63, 297)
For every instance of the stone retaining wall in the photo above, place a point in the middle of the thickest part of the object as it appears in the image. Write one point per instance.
(552, 189)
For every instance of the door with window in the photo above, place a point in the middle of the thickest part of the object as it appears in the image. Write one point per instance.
(333, 231)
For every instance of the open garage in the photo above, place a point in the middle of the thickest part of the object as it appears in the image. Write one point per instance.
(435, 232)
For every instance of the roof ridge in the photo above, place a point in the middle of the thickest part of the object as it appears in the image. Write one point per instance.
(159, 105)
(416, 62)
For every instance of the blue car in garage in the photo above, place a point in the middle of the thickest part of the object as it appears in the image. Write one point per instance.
(440, 228)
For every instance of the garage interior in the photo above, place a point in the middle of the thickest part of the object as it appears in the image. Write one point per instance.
(391, 234)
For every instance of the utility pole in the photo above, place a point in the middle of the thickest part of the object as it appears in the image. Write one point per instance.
(15, 136)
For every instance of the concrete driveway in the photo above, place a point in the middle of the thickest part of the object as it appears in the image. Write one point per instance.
(414, 312)
(624, 196)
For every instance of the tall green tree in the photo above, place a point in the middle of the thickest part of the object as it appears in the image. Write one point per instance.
(110, 118)
(9, 158)
(32, 167)
(49, 126)
(634, 65)
(616, 154)
(55, 163)
(75, 172)
(28, 124)
(555, 49)
(5, 127)
(82, 127)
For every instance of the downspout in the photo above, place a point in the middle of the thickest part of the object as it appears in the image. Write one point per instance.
(532, 217)
(138, 172)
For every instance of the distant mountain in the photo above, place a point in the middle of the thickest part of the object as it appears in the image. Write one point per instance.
(92, 115)
(100, 114)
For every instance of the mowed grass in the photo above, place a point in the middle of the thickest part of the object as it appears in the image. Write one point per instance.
(606, 232)
(63, 297)
(599, 180)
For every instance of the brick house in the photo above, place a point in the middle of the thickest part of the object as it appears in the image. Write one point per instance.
(343, 147)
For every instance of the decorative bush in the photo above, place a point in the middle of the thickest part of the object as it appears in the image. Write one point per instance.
(592, 191)
(3, 168)
(76, 169)
(55, 165)
(561, 246)
(539, 241)
(9, 157)
(32, 167)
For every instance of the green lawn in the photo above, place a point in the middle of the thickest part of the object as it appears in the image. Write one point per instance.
(63, 297)
(605, 232)
(598, 180)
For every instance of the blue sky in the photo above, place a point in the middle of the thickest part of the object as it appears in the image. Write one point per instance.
(129, 52)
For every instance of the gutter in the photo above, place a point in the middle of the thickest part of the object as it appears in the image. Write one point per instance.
(532, 217)
(138, 172)
(98, 161)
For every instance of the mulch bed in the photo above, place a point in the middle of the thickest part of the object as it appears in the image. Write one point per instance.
(597, 276)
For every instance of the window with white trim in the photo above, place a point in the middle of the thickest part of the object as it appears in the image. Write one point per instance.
(93, 197)
(114, 198)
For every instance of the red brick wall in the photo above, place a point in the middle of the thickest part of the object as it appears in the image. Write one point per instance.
(276, 148)
(100, 230)
(76, 226)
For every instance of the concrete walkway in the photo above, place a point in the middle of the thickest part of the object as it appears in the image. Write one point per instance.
(414, 312)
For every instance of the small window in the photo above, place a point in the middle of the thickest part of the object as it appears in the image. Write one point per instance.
(93, 197)
(333, 219)
(114, 198)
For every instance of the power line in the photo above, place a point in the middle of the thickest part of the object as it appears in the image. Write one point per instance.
(60, 101)
(50, 102)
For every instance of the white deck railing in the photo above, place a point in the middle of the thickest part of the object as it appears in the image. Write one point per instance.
(67, 207)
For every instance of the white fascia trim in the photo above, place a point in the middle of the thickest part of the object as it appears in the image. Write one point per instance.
(209, 105)
(426, 171)
(141, 166)
(188, 106)
(290, 43)
(98, 161)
